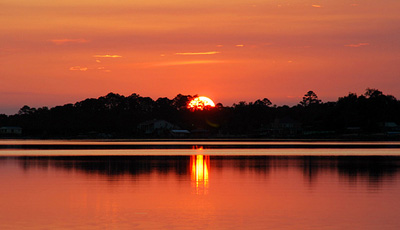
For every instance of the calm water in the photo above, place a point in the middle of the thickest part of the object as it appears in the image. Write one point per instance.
(193, 190)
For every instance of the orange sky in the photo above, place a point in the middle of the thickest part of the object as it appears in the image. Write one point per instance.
(57, 52)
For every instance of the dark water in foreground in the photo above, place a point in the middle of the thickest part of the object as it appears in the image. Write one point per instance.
(200, 192)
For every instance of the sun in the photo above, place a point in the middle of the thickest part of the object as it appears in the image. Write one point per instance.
(200, 103)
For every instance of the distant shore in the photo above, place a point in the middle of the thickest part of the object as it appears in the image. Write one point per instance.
(35, 144)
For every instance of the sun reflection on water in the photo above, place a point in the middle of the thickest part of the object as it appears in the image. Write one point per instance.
(199, 167)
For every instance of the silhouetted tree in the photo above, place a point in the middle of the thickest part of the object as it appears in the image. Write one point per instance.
(241, 104)
(372, 93)
(310, 98)
(263, 102)
(26, 110)
(181, 101)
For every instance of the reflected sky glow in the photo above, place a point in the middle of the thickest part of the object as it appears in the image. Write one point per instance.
(211, 152)
(190, 147)
(194, 143)
(181, 192)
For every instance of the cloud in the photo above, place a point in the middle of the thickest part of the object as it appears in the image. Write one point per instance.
(240, 45)
(78, 68)
(178, 63)
(189, 62)
(107, 56)
(357, 45)
(199, 53)
(66, 40)
(316, 6)
(103, 69)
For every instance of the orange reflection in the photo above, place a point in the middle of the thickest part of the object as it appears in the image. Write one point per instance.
(196, 147)
(199, 167)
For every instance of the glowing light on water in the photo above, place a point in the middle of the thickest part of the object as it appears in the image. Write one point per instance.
(199, 167)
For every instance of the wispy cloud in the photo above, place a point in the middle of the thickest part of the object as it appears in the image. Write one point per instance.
(240, 45)
(103, 69)
(78, 68)
(67, 40)
(357, 45)
(106, 56)
(179, 63)
(199, 53)
(316, 6)
(189, 62)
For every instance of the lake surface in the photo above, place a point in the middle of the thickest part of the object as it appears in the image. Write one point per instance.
(199, 188)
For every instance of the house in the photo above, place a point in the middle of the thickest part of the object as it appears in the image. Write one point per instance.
(285, 127)
(180, 133)
(11, 130)
(157, 127)
(390, 128)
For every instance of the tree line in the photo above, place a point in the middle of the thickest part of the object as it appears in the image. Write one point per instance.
(118, 116)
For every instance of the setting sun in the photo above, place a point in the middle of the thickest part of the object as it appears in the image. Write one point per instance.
(200, 103)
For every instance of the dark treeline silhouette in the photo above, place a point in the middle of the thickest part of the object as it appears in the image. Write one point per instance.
(371, 169)
(372, 114)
